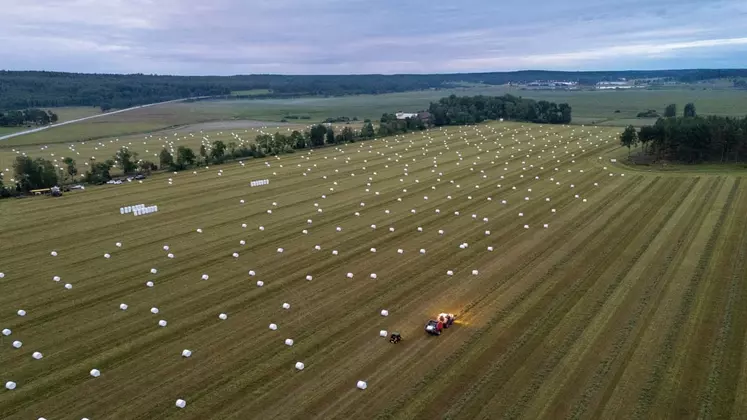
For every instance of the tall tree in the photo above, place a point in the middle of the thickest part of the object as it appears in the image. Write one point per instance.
(99, 172)
(36, 173)
(670, 111)
(689, 110)
(316, 135)
(70, 167)
(218, 151)
(165, 159)
(299, 142)
(185, 157)
(126, 160)
(629, 138)
(330, 135)
(367, 132)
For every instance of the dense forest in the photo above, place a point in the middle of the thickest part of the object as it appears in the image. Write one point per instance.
(27, 117)
(457, 110)
(30, 89)
(691, 138)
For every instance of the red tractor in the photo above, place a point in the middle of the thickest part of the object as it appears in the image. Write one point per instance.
(436, 326)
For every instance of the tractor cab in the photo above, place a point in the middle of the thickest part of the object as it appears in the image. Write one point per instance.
(436, 326)
(433, 327)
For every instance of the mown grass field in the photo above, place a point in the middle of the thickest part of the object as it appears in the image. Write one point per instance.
(589, 107)
(630, 304)
(148, 146)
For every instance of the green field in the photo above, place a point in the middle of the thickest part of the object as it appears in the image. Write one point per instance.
(63, 114)
(589, 107)
(631, 303)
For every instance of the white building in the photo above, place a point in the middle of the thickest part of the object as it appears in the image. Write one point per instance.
(403, 115)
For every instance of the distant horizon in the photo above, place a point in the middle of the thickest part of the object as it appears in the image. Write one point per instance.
(382, 74)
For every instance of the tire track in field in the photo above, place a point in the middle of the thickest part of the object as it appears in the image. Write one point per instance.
(501, 371)
(649, 392)
(641, 304)
(592, 310)
(718, 364)
(487, 295)
(658, 293)
(556, 387)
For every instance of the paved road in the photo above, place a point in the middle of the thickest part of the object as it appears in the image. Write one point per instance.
(47, 127)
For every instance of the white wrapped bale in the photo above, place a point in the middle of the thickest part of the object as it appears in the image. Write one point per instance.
(252, 273)
(383, 333)
(288, 342)
(56, 278)
(37, 355)
(260, 283)
(362, 385)
(181, 403)
(162, 323)
(286, 305)
(373, 275)
(68, 286)
(154, 310)
(299, 366)
(149, 284)
(186, 353)
(449, 273)
(205, 277)
(10, 385)
(95, 373)
(17, 344)
(7, 332)
(223, 317)
(153, 271)
(21, 312)
(273, 327)
(309, 278)
(349, 275)
(384, 312)
(475, 272)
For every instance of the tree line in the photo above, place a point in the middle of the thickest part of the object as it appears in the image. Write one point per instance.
(459, 110)
(26, 117)
(690, 138)
(37, 173)
(34, 89)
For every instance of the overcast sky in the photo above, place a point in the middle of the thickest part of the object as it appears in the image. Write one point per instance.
(223, 37)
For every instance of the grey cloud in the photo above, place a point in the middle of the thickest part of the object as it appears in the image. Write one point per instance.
(359, 36)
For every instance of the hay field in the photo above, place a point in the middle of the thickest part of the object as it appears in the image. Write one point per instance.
(630, 304)
(589, 108)
(149, 145)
